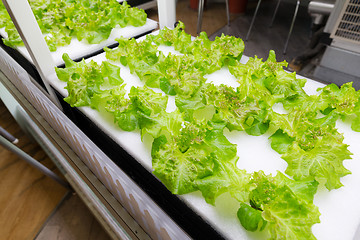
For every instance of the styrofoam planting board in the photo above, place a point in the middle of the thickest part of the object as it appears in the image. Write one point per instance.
(340, 209)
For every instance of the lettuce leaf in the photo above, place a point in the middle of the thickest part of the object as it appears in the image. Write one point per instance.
(311, 146)
(226, 177)
(280, 141)
(344, 101)
(147, 101)
(237, 113)
(150, 108)
(324, 162)
(84, 80)
(160, 123)
(303, 216)
(286, 205)
(185, 159)
(178, 170)
(251, 218)
(114, 101)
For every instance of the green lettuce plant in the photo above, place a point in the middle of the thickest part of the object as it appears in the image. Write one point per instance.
(62, 20)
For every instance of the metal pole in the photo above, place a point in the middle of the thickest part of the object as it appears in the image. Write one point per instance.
(200, 14)
(8, 136)
(292, 26)
(227, 12)
(275, 12)
(253, 20)
(12, 148)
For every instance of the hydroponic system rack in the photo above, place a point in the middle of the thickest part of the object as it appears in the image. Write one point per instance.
(111, 169)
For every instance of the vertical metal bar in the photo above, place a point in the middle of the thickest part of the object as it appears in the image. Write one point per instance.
(253, 20)
(200, 14)
(227, 12)
(292, 25)
(275, 12)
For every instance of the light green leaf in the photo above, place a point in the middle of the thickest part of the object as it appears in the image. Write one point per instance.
(178, 170)
(324, 162)
(226, 177)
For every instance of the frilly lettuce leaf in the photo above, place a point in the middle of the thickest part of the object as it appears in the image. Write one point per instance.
(216, 140)
(311, 146)
(237, 113)
(185, 158)
(190, 105)
(147, 101)
(250, 77)
(119, 54)
(229, 48)
(290, 218)
(305, 127)
(267, 81)
(303, 189)
(355, 124)
(210, 56)
(111, 74)
(114, 101)
(160, 123)
(284, 85)
(175, 37)
(226, 177)
(286, 205)
(205, 133)
(344, 101)
(135, 16)
(150, 107)
(324, 162)
(182, 75)
(178, 170)
(191, 133)
(84, 80)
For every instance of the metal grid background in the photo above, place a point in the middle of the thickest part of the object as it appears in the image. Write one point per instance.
(348, 23)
